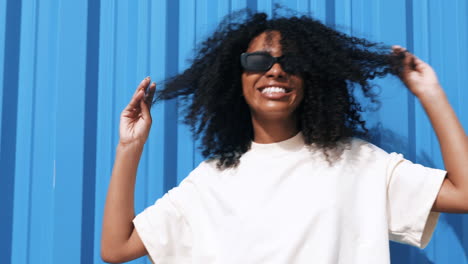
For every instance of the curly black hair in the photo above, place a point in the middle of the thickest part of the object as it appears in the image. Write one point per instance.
(332, 64)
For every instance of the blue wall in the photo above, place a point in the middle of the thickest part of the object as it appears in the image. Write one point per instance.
(67, 69)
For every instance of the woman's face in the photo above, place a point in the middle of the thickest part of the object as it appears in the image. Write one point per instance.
(271, 94)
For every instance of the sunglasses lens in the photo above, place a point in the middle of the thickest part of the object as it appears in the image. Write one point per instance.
(258, 62)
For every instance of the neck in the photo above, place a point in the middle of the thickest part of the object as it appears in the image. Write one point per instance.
(273, 130)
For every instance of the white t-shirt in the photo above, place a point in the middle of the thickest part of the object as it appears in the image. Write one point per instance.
(285, 204)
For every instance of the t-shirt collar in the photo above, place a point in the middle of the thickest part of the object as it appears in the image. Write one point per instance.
(294, 143)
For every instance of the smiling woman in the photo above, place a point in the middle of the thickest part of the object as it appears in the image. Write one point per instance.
(272, 94)
(273, 102)
(320, 65)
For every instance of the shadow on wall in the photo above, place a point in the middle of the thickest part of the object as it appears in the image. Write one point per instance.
(450, 226)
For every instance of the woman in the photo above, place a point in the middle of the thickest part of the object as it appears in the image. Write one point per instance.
(285, 180)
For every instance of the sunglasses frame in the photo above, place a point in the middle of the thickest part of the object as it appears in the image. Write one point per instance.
(245, 55)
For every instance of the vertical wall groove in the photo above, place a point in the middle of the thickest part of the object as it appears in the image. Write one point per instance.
(411, 114)
(9, 123)
(170, 120)
(90, 127)
(28, 62)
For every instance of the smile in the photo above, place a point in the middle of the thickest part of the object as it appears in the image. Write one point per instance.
(274, 92)
(274, 89)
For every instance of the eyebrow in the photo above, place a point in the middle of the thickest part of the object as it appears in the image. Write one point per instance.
(266, 51)
(261, 52)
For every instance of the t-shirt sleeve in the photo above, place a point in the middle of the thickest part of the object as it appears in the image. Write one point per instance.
(164, 229)
(411, 192)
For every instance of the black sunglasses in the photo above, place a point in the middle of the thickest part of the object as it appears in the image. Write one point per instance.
(258, 61)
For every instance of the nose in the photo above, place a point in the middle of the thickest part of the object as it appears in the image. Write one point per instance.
(276, 71)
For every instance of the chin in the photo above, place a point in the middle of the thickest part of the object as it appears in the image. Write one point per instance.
(279, 113)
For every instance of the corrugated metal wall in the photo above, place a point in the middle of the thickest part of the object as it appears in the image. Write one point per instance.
(69, 67)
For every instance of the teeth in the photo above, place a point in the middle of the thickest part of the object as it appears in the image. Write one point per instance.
(273, 90)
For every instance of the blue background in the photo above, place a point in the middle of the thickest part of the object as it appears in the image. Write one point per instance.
(67, 69)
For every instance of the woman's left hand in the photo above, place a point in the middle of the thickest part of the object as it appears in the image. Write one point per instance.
(421, 79)
(417, 75)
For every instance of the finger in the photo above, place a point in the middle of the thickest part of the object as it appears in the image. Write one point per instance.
(412, 61)
(408, 62)
(143, 84)
(137, 96)
(398, 49)
(145, 113)
(135, 101)
(150, 94)
(419, 64)
(418, 61)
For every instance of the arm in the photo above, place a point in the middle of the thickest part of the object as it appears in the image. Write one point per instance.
(120, 241)
(422, 82)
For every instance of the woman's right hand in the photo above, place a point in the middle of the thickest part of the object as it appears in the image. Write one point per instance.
(135, 119)
(120, 241)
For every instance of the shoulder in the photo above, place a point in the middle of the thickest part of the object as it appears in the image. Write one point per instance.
(204, 170)
(365, 151)
(360, 147)
(207, 166)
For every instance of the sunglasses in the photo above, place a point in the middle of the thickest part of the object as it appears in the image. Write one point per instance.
(258, 61)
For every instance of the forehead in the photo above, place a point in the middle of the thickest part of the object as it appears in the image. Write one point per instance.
(266, 41)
